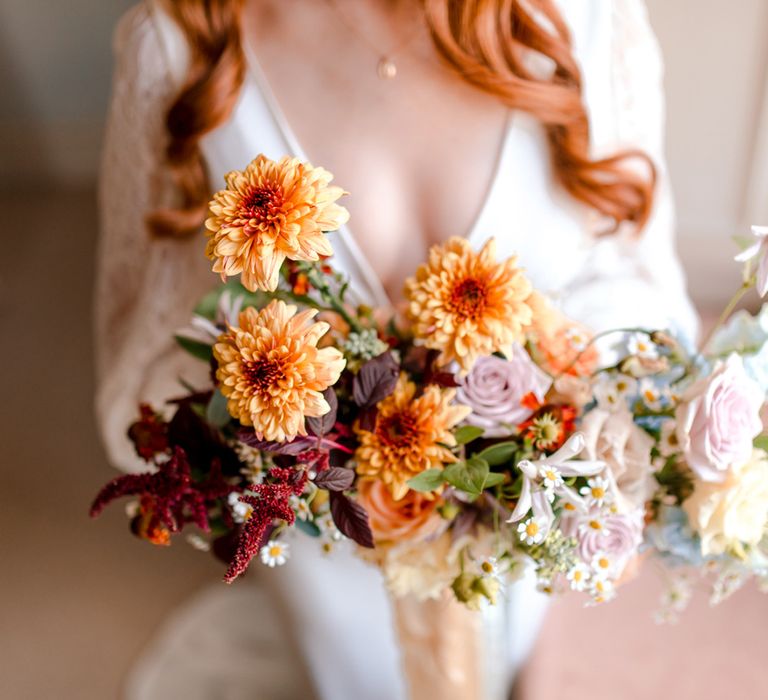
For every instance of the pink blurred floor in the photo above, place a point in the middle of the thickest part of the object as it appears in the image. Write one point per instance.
(618, 652)
(78, 600)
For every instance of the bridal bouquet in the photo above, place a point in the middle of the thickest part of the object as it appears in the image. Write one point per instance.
(477, 432)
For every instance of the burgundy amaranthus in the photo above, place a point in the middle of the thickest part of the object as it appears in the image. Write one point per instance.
(270, 503)
(169, 497)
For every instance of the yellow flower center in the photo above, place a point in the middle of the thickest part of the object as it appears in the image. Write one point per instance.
(275, 551)
(598, 492)
(467, 298)
(487, 567)
(569, 506)
(531, 529)
(577, 576)
(263, 203)
(595, 524)
(649, 394)
(603, 563)
(552, 476)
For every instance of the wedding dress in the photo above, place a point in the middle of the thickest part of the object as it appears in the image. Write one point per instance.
(330, 615)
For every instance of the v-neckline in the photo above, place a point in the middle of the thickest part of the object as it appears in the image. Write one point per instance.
(371, 278)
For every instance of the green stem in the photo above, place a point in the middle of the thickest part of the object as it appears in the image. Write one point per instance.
(727, 311)
(317, 280)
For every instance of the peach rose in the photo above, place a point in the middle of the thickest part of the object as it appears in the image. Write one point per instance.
(413, 517)
(732, 512)
(613, 438)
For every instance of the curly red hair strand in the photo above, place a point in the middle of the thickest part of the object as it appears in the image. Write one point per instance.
(486, 42)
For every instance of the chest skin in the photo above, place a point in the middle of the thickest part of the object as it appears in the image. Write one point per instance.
(418, 153)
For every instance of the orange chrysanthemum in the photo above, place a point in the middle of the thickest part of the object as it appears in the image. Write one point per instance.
(272, 372)
(467, 305)
(269, 212)
(411, 435)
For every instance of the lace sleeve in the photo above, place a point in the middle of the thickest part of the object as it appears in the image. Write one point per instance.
(145, 288)
(630, 276)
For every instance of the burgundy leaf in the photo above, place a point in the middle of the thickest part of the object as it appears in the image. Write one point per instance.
(324, 424)
(292, 448)
(376, 380)
(368, 418)
(351, 519)
(335, 479)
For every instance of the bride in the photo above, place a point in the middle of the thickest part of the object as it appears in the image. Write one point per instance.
(536, 122)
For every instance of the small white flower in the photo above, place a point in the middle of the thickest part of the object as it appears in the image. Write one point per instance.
(612, 390)
(640, 345)
(532, 531)
(274, 553)
(328, 528)
(300, 507)
(652, 396)
(579, 576)
(602, 564)
(668, 443)
(240, 511)
(597, 492)
(577, 338)
(595, 523)
(758, 250)
(602, 590)
(492, 568)
(551, 477)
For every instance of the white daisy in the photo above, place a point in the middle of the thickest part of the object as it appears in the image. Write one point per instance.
(532, 531)
(551, 477)
(328, 528)
(640, 345)
(597, 492)
(578, 338)
(601, 564)
(300, 507)
(602, 590)
(579, 576)
(240, 511)
(652, 396)
(668, 443)
(612, 390)
(594, 523)
(274, 553)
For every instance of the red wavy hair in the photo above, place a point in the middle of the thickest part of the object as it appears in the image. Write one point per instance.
(486, 42)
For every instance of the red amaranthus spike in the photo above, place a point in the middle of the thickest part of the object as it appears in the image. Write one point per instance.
(169, 498)
(270, 503)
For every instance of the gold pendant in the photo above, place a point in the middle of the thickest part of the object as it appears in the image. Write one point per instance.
(386, 68)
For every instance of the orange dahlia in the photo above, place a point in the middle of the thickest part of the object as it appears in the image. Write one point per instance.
(267, 213)
(411, 435)
(467, 305)
(272, 372)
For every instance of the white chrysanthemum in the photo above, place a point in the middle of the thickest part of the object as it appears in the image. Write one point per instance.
(594, 523)
(652, 396)
(300, 507)
(602, 590)
(602, 564)
(274, 553)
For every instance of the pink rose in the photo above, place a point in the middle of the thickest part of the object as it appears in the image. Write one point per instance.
(494, 390)
(718, 418)
(617, 540)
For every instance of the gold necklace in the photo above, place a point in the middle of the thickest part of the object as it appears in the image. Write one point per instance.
(386, 68)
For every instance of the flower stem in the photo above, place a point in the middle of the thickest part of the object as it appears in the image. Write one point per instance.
(727, 311)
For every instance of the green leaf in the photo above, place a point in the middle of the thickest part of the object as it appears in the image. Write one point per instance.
(308, 527)
(428, 480)
(467, 433)
(216, 413)
(202, 351)
(470, 477)
(499, 453)
(493, 479)
(761, 442)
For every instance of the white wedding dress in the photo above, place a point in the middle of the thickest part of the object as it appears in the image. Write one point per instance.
(318, 617)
